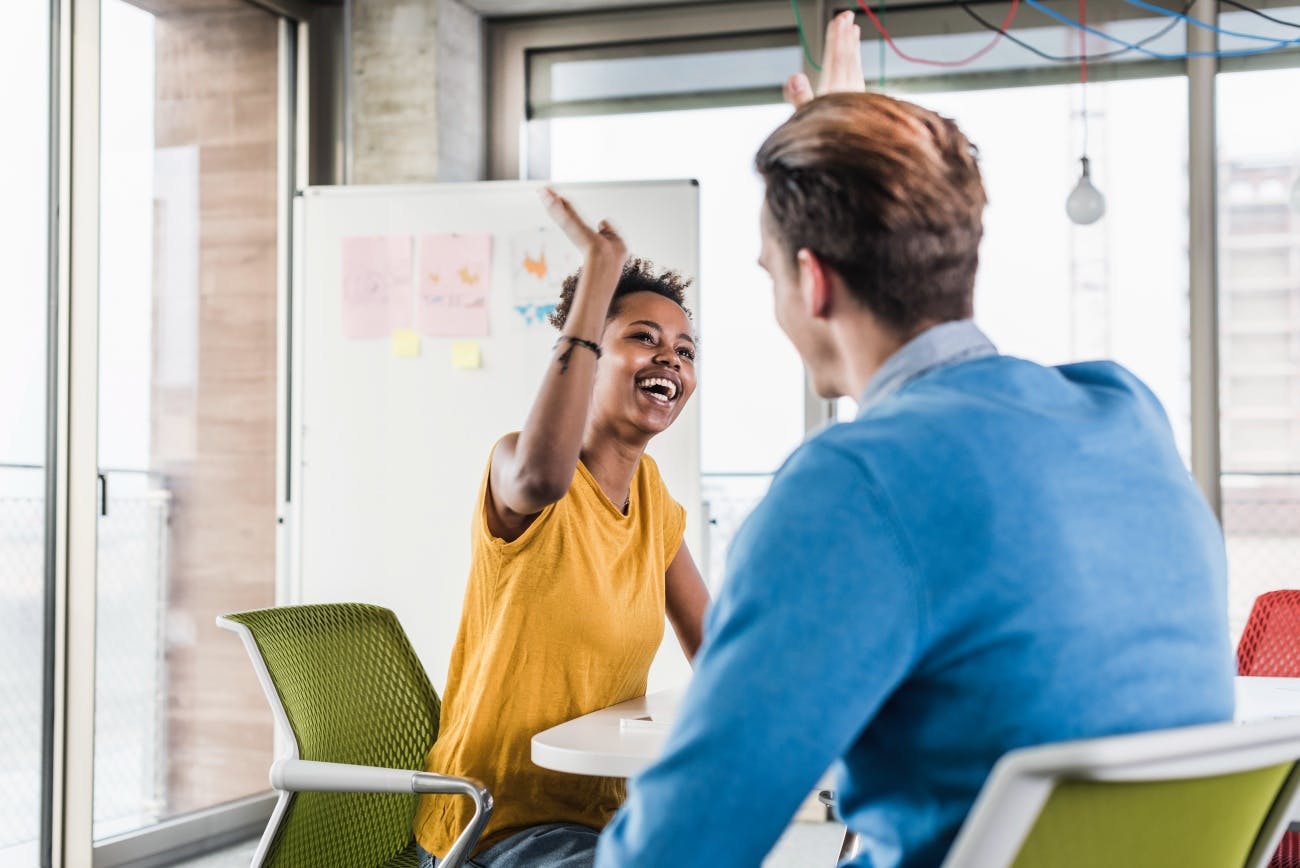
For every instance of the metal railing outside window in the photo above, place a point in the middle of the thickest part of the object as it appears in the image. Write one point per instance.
(1261, 524)
(129, 768)
(22, 615)
(728, 500)
(131, 665)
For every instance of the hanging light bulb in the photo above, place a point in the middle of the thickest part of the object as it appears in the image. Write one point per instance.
(1085, 204)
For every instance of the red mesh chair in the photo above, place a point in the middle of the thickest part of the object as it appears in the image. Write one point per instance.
(1270, 646)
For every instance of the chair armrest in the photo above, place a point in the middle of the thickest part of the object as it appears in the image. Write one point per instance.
(295, 775)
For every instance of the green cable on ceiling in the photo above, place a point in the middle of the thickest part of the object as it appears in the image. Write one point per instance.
(803, 39)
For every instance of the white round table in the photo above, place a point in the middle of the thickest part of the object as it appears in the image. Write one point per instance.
(601, 743)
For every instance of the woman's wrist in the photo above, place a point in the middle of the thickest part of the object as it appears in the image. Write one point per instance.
(568, 341)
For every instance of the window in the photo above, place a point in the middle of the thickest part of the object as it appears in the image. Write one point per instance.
(1259, 320)
(1254, 309)
(24, 222)
(1248, 266)
(189, 220)
(565, 83)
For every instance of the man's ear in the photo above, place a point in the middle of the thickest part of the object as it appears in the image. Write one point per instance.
(815, 283)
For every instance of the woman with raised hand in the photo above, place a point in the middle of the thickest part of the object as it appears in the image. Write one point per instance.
(577, 555)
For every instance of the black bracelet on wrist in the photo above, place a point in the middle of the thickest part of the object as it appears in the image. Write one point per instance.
(573, 342)
(578, 342)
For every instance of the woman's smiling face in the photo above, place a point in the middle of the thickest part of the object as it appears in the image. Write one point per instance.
(646, 372)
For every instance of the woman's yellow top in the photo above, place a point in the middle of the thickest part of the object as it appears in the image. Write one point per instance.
(560, 622)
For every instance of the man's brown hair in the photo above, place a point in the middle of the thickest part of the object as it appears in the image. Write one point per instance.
(886, 193)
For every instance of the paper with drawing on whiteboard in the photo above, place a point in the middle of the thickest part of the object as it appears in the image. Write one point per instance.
(540, 259)
(455, 282)
(376, 285)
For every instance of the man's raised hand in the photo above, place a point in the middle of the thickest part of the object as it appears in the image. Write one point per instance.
(841, 64)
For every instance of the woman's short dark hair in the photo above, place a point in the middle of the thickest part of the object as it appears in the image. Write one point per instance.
(638, 276)
(886, 193)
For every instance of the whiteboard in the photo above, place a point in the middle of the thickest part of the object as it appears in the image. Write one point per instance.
(386, 453)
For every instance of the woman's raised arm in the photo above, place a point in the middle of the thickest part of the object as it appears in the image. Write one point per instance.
(534, 468)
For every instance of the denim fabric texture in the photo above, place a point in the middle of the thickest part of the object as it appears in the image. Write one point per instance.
(553, 845)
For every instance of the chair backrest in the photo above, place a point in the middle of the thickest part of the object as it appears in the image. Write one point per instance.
(345, 686)
(1270, 644)
(1217, 796)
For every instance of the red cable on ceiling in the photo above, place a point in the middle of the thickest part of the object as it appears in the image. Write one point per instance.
(889, 40)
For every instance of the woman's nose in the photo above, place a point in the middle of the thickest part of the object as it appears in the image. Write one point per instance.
(668, 356)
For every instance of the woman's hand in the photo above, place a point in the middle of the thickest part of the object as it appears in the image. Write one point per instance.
(602, 248)
(841, 64)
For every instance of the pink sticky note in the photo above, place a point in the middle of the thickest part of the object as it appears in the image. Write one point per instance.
(376, 285)
(454, 285)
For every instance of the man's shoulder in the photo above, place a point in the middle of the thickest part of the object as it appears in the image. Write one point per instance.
(1101, 372)
(1122, 386)
(1012, 383)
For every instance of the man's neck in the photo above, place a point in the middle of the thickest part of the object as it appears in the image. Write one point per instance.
(935, 345)
(864, 346)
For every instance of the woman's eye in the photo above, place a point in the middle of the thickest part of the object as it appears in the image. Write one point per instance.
(643, 336)
(686, 353)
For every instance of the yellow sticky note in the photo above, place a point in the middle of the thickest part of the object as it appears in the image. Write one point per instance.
(406, 343)
(466, 355)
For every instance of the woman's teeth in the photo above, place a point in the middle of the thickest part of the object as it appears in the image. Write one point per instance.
(658, 387)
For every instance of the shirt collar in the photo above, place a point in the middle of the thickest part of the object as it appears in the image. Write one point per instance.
(939, 346)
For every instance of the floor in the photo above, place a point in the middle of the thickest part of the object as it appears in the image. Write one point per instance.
(804, 845)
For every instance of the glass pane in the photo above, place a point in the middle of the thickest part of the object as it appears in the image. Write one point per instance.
(1054, 292)
(24, 215)
(1249, 27)
(579, 79)
(949, 34)
(1259, 328)
(187, 404)
(751, 379)
(728, 498)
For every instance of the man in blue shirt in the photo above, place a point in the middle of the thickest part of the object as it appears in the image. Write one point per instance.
(993, 554)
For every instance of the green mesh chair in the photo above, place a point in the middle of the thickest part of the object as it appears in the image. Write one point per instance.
(357, 716)
(1214, 796)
